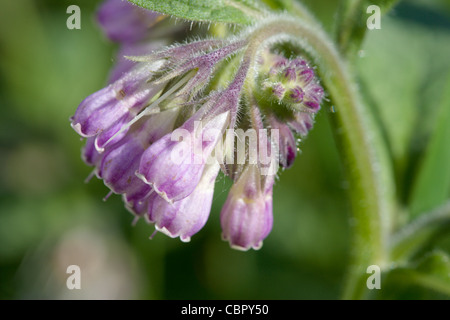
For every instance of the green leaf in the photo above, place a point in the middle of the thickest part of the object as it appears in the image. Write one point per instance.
(431, 273)
(352, 22)
(404, 81)
(435, 269)
(432, 187)
(417, 234)
(228, 11)
(351, 26)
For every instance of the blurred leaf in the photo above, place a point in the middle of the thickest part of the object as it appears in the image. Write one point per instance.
(431, 273)
(324, 10)
(432, 187)
(419, 233)
(351, 25)
(387, 54)
(434, 270)
(352, 22)
(437, 4)
(385, 5)
(279, 4)
(228, 11)
(403, 80)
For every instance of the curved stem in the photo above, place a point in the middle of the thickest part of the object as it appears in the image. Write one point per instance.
(368, 171)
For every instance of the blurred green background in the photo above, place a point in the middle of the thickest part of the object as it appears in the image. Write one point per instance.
(50, 219)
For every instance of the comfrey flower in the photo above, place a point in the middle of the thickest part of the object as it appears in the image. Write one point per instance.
(172, 119)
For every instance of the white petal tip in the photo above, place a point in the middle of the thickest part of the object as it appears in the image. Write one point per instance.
(241, 248)
(173, 235)
(162, 194)
(77, 128)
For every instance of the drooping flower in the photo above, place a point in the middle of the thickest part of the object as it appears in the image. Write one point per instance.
(175, 179)
(104, 113)
(187, 216)
(171, 167)
(159, 133)
(246, 216)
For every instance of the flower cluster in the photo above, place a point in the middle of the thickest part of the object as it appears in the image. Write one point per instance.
(131, 127)
(290, 82)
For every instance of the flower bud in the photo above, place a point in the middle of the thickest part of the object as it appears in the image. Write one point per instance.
(289, 83)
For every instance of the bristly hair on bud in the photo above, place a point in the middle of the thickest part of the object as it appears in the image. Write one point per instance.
(159, 132)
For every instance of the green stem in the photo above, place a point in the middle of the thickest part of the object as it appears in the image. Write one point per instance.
(371, 186)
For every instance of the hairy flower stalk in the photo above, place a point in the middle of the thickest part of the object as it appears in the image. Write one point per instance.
(169, 120)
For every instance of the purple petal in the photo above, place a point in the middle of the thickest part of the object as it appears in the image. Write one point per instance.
(121, 161)
(90, 154)
(138, 199)
(186, 217)
(312, 105)
(297, 94)
(268, 199)
(279, 62)
(124, 22)
(116, 104)
(298, 63)
(289, 74)
(315, 93)
(278, 90)
(302, 124)
(174, 168)
(287, 144)
(246, 218)
(306, 76)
